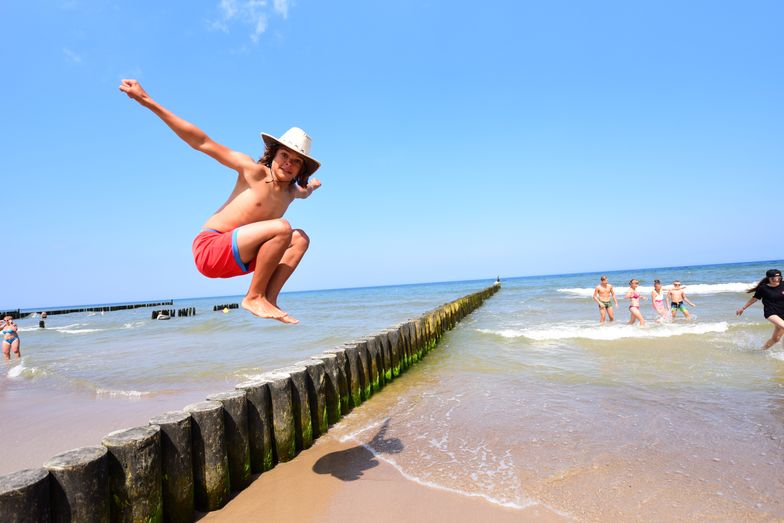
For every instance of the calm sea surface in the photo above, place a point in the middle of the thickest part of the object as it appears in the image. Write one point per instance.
(529, 400)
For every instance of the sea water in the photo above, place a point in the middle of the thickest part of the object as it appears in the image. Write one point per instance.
(528, 400)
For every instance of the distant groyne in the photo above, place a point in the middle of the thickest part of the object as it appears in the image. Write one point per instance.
(17, 313)
(192, 460)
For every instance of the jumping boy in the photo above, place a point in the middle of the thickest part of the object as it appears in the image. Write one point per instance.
(676, 296)
(248, 232)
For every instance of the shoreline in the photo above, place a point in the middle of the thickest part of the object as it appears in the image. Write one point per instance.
(336, 481)
(96, 417)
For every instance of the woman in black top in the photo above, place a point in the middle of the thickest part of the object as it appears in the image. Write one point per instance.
(771, 292)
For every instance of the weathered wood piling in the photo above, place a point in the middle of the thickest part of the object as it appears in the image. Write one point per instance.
(235, 427)
(134, 459)
(176, 465)
(79, 485)
(260, 440)
(24, 496)
(210, 456)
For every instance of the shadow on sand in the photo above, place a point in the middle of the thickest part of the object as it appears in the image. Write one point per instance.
(350, 464)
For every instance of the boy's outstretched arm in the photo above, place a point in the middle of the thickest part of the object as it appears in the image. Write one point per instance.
(189, 133)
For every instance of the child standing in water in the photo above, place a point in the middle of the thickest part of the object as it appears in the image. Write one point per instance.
(676, 296)
(658, 300)
(634, 307)
(248, 233)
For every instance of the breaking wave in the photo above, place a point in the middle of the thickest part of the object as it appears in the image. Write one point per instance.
(694, 288)
(566, 331)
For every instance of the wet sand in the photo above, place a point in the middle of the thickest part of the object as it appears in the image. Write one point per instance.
(57, 421)
(345, 482)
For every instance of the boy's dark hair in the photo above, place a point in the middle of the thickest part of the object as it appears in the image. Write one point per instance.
(269, 154)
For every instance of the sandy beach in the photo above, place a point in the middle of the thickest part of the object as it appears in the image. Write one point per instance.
(59, 421)
(345, 482)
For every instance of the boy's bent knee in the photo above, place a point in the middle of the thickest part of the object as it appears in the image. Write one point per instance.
(298, 237)
(284, 227)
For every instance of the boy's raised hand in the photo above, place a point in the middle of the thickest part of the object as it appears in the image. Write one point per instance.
(133, 89)
(304, 192)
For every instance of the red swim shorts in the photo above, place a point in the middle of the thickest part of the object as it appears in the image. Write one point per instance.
(217, 256)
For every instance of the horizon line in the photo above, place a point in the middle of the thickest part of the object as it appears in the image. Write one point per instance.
(49, 308)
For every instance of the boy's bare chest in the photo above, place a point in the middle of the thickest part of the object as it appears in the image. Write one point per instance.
(265, 203)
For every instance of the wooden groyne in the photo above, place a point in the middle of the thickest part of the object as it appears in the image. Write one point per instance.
(16, 313)
(171, 313)
(192, 460)
(225, 306)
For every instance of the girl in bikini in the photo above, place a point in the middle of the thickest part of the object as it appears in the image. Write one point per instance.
(634, 307)
(657, 300)
(10, 338)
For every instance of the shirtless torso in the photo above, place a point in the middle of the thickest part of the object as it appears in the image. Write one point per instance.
(604, 296)
(256, 197)
(604, 292)
(677, 297)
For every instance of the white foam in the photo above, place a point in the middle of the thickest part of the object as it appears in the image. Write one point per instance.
(69, 326)
(354, 436)
(71, 329)
(135, 394)
(255, 377)
(690, 288)
(21, 370)
(79, 331)
(16, 371)
(430, 484)
(564, 331)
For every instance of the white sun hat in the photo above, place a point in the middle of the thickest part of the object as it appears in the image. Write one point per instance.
(298, 141)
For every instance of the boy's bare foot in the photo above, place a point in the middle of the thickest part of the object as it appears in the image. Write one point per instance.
(288, 319)
(262, 308)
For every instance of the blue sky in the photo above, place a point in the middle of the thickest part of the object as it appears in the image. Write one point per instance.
(457, 140)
